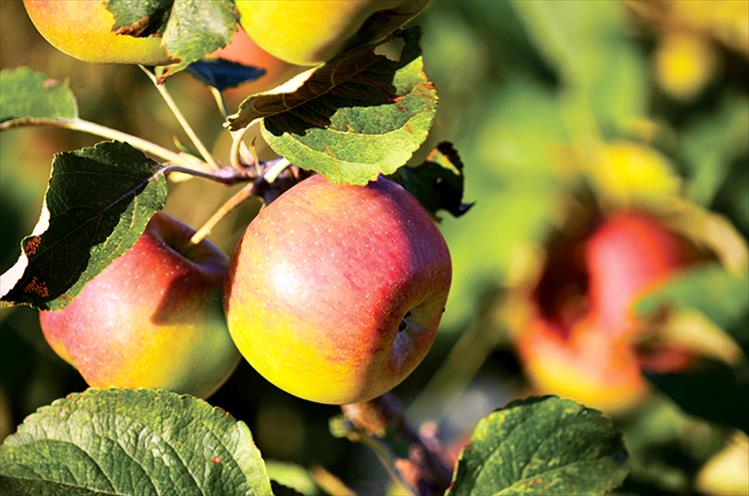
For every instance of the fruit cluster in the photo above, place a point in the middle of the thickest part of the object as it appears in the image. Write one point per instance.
(333, 294)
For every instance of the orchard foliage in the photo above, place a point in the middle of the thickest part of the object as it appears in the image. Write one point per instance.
(593, 217)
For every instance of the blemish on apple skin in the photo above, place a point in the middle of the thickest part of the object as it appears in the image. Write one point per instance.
(50, 83)
(216, 460)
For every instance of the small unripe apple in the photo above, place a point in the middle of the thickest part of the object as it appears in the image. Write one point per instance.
(152, 318)
(83, 29)
(313, 31)
(630, 253)
(335, 292)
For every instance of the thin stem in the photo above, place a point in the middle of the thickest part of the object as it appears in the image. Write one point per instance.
(219, 97)
(233, 202)
(95, 129)
(219, 176)
(236, 152)
(232, 176)
(276, 169)
(161, 88)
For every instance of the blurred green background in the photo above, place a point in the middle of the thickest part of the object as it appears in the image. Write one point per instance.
(535, 95)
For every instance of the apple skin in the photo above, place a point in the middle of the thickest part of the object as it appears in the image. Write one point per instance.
(581, 346)
(152, 318)
(629, 254)
(313, 31)
(83, 29)
(321, 281)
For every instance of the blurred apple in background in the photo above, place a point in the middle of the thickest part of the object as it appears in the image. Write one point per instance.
(335, 292)
(630, 253)
(152, 318)
(580, 340)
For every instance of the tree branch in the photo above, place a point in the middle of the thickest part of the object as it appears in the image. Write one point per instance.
(424, 469)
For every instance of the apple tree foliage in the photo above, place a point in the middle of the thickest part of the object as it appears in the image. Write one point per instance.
(360, 115)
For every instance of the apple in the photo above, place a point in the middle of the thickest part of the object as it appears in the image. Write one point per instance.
(152, 318)
(83, 29)
(629, 254)
(580, 340)
(335, 292)
(583, 363)
(313, 31)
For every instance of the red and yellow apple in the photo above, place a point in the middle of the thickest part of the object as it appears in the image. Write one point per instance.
(83, 29)
(152, 318)
(313, 31)
(583, 363)
(579, 342)
(629, 254)
(335, 292)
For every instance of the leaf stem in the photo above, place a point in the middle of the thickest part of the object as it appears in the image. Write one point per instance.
(233, 202)
(95, 129)
(220, 103)
(219, 176)
(167, 97)
(275, 170)
(235, 155)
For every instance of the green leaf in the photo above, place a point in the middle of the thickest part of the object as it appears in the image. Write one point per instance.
(438, 182)
(541, 446)
(606, 70)
(131, 441)
(98, 203)
(711, 143)
(27, 94)
(357, 116)
(141, 18)
(293, 479)
(711, 390)
(196, 28)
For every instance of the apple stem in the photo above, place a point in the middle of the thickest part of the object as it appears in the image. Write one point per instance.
(233, 202)
(240, 156)
(424, 469)
(95, 129)
(167, 97)
(275, 170)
